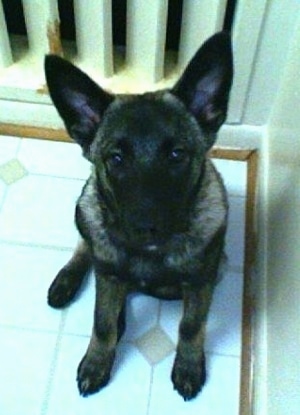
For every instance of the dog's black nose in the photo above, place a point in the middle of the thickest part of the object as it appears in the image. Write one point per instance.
(146, 231)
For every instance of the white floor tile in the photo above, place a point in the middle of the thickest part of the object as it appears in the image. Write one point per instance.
(234, 174)
(224, 319)
(218, 397)
(25, 360)
(126, 394)
(53, 158)
(235, 237)
(142, 315)
(80, 313)
(40, 210)
(170, 316)
(2, 193)
(8, 148)
(223, 332)
(26, 274)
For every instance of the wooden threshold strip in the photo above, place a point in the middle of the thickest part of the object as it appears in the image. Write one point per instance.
(247, 357)
(42, 133)
(251, 158)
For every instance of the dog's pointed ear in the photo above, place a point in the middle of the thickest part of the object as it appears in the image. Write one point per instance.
(79, 100)
(205, 84)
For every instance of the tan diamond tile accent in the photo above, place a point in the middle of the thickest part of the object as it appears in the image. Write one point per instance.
(12, 171)
(155, 345)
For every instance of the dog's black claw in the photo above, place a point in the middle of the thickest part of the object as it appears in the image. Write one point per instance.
(93, 375)
(89, 386)
(188, 380)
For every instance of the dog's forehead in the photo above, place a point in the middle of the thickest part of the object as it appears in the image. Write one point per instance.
(153, 114)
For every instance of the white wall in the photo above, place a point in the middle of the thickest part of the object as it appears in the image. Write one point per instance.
(283, 261)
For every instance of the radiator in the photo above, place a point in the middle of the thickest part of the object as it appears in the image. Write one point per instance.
(142, 63)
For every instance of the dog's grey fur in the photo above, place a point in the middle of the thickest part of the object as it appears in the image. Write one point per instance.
(153, 214)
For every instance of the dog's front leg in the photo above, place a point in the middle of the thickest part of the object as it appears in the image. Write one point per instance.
(95, 367)
(189, 374)
(70, 278)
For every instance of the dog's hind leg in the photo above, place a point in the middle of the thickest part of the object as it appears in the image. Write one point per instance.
(95, 368)
(69, 279)
(189, 373)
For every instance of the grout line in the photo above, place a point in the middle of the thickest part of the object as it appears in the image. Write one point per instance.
(55, 176)
(234, 194)
(4, 196)
(150, 390)
(218, 354)
(79, 335)
(235, 269)
(15, 327)
(18, 149)
(53, 365)
(159, 313)
(35, 245)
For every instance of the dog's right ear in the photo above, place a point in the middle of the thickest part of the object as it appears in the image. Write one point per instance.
(79, 100)
(205, 84)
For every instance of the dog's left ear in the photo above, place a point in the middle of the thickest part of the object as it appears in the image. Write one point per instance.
(205, 84)
(78, 99)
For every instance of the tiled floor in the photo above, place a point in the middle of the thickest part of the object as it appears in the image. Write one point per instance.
(40, 348)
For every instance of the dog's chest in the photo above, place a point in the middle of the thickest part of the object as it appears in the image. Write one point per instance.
(142, 269)
(146, 269)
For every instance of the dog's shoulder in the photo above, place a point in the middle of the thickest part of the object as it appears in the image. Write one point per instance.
(90, 220)
(211, 207)
(88, 201)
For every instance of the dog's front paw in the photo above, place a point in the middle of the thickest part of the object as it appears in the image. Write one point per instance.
(93, 374)
(188, 377)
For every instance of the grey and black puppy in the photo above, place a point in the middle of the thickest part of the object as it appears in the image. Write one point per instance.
(153, 214)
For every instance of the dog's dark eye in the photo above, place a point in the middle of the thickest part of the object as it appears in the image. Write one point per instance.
(115, 159)
(177, 155)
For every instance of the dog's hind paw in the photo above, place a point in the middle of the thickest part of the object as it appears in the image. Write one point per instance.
(63, 289)
(188, 379)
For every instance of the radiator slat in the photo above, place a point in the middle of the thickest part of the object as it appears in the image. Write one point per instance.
(5, 50)
(93, 22)
(42, 24)
(200, 19)
(146, 34)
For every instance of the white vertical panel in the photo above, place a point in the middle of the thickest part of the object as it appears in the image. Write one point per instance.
(93, 21)
(200, 19)
(5, 51)
(249, 18)
(283, 266)
(40, 18)
(146, 36)
(270, 59)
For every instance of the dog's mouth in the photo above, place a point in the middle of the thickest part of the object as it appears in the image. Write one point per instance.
(152, 240)
(146, 242)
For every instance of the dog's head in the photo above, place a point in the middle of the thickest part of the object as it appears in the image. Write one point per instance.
(148, 150)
